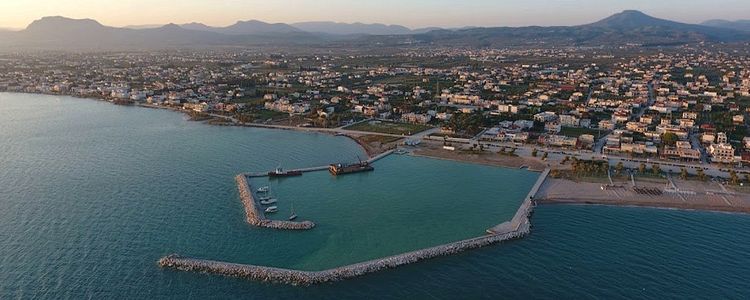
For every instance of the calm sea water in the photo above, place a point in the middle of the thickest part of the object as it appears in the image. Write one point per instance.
(92, 194)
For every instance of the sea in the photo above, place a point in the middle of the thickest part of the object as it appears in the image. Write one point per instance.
(93, 194)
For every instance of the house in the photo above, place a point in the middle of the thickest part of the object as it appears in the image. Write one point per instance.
(722, 153)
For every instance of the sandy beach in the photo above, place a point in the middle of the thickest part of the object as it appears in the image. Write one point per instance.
(694, 195)
(486, 158)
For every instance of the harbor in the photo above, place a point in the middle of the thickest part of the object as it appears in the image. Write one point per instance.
(517, 227)
(257, 217)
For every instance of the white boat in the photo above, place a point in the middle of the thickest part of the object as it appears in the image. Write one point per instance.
(272, 209)
(264, 198)
(268, 201)
(294, 215)
(264, 189)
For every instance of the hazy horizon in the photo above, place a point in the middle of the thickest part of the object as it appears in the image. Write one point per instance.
(17, 14)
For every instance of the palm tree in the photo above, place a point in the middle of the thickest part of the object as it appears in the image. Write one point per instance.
(701, 175)
(733, 178)
(642, 168)
(655, 169)
(683, 174)
(619, 167)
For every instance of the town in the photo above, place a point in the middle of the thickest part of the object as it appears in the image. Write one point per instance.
(680, 107)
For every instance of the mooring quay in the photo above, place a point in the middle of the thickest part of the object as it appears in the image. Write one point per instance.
(256, 217)
(518, 227)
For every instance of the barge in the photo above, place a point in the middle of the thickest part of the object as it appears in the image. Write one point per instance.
(341, 169)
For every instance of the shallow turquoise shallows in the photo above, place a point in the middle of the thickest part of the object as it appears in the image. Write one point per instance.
(92, 194)
(407, 203)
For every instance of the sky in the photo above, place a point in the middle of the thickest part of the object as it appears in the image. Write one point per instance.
(410, 13)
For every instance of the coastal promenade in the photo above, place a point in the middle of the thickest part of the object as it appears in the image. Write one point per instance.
(518, 227)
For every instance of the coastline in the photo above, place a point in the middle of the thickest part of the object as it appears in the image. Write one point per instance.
(486, 159)
(701, 196)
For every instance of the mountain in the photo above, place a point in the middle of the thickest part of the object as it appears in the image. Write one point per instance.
(87, 34)
(627, 27)
(352, 28)
(244, 28)
(145, 26)
(742, 25)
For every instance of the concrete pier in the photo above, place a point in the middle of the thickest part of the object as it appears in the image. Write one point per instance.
(521, 218)
(256, 217)
(322, 168)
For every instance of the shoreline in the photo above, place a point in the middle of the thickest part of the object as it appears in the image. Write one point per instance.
(634, 204)
(494, 159)
(670, 194)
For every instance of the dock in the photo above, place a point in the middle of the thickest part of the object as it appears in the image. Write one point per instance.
(321, 168)
(521, 218)
(256, 217)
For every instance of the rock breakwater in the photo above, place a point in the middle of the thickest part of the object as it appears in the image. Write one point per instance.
(256, 217)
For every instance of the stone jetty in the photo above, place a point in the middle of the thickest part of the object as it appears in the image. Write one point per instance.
(521, 218)
(297, 277)
(256, 217)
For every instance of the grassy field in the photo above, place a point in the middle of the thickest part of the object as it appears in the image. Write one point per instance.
(388, 127)
(576, 132)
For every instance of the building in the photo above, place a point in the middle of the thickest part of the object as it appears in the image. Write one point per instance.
(722, 153)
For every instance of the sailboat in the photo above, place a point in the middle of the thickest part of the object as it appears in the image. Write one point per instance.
(294, 215)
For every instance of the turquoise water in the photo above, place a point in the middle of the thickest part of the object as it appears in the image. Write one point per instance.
(407, 203)
(92, 194)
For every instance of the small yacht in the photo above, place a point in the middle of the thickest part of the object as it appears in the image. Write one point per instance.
(264, 189)
(272, 209)
(268, 201)
(294, 215)
(264, 198)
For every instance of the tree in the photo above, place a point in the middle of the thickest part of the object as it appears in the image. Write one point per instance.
(683, 174)
(619, 167)
(544, 157)
(534, 152)
(669, 138)
(733, 178)
(701, 175)
(655, 169)
(642, 168)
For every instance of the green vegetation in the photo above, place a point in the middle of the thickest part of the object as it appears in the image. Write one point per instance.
(388, 127)
(669, 138)
(576, 132)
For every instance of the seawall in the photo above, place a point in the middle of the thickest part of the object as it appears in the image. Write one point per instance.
(297, 277)
(521, 218)
(256, 217)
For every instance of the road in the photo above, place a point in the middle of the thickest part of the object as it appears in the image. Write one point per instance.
(339, 130)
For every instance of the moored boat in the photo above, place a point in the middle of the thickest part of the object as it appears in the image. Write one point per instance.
(268, 201)
(272, 209)
(281, 173)
(264, 189)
